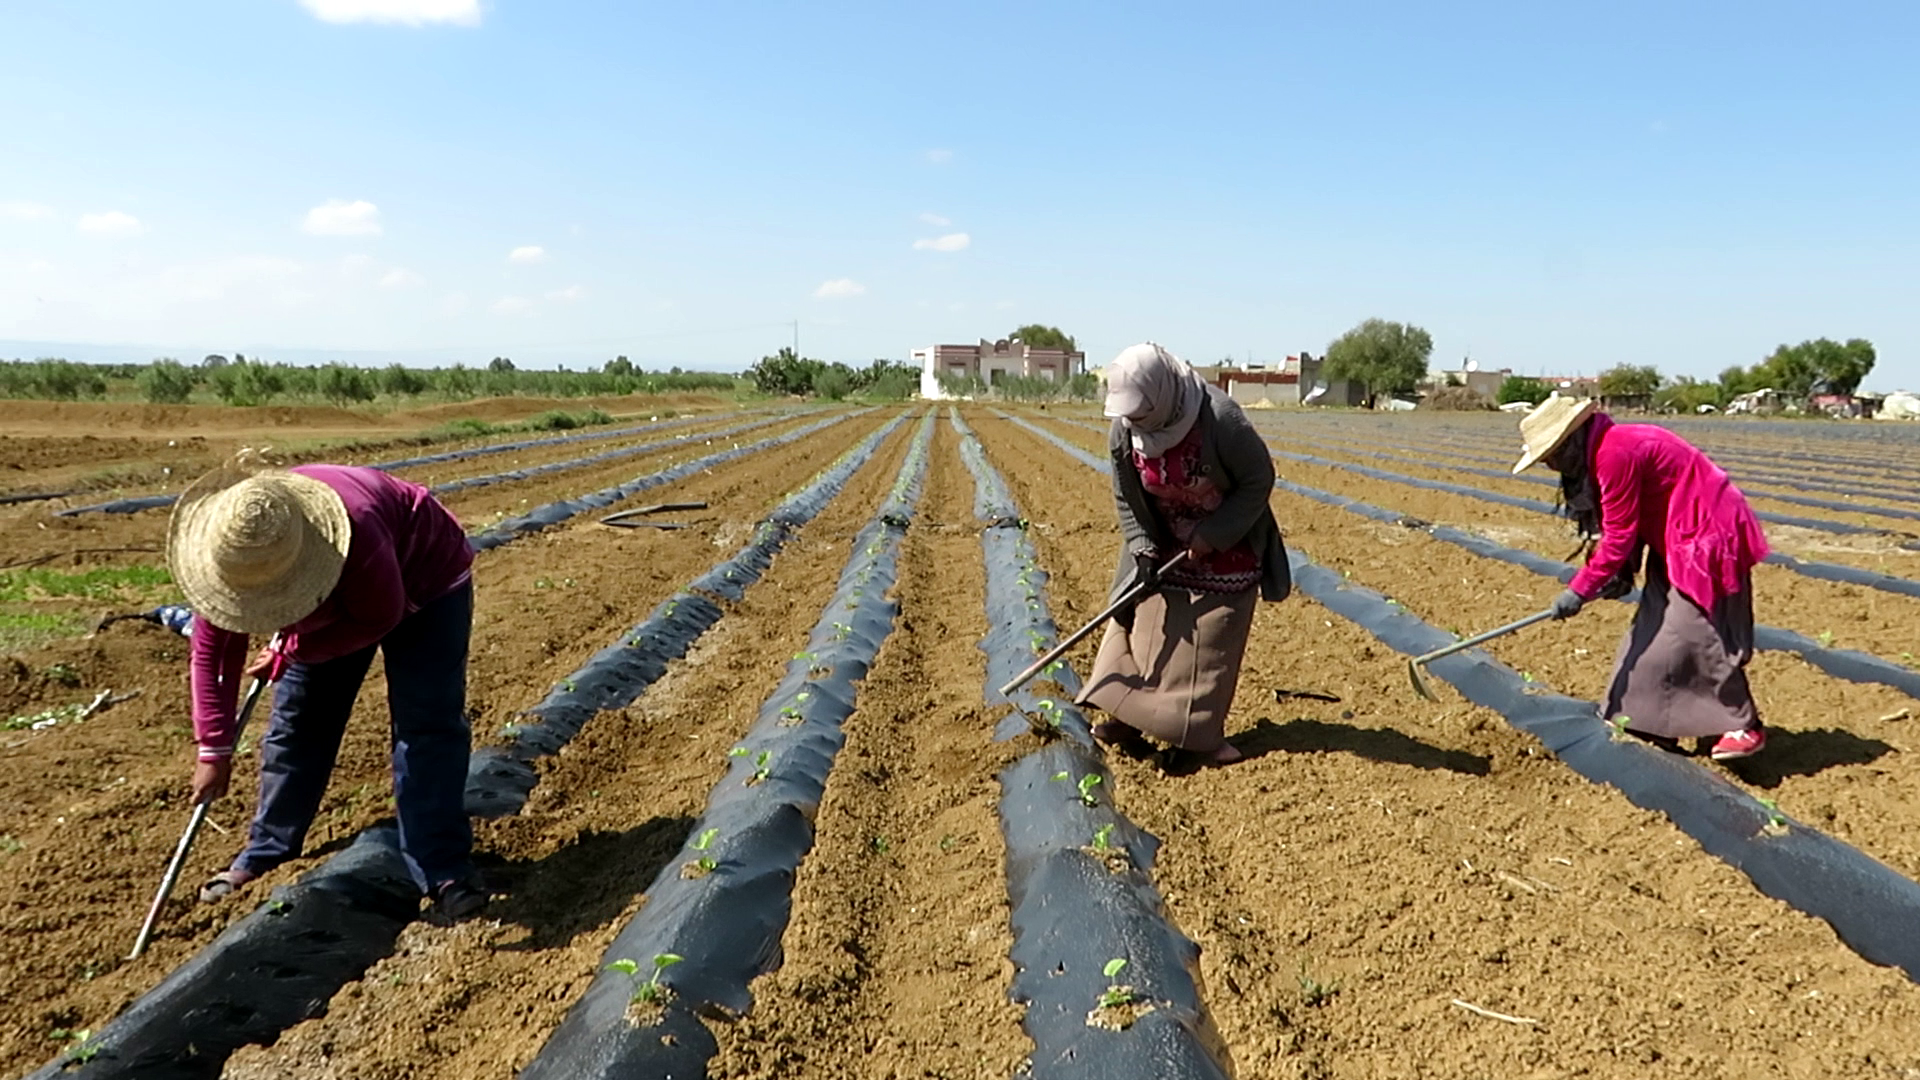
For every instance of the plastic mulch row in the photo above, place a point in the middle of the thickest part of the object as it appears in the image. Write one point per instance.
(722, 906)
(153, 502)
(282, 963)
(1870, 906)
(1079, 874)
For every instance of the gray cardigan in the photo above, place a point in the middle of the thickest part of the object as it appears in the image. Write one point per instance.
(1235, 458)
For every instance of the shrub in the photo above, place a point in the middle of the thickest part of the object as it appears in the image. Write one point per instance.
(166, 382)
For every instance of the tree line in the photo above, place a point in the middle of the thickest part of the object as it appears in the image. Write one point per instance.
(1392, 358)
(242, 381)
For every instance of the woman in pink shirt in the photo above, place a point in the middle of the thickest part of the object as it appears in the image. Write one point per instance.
(335, 562)
(1646, 493)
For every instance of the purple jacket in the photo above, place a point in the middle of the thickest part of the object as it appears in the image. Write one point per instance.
(406, 552)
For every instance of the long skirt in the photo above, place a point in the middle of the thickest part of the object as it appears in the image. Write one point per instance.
(1173, 675)
(1681, 672)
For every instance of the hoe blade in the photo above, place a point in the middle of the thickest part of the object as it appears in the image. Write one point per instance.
(1419, 680)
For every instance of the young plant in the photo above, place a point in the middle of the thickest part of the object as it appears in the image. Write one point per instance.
(762, 766)
(83, 1050)
(1826, 639)
(705, 864)
(1049, 712)
(1103, 839)
(652, 991)
(1086, 785)
(1115, 995)
(1312, 990)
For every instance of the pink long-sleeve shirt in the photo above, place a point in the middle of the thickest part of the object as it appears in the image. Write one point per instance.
(1658, 489)
(406, 551)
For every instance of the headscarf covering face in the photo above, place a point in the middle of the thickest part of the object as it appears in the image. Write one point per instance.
(1156, 394)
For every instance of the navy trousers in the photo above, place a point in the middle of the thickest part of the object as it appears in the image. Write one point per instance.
(426, 659)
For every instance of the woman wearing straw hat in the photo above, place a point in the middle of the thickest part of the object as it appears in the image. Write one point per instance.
(336, 561)
(1189, 474)
(1645, 492)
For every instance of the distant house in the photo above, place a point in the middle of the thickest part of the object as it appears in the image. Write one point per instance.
(992, 361)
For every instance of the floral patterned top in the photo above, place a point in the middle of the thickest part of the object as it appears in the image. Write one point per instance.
(1185, 497)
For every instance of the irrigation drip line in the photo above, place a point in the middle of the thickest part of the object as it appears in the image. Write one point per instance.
(724, 904)
(1872, 907)
(553, 513)
(137, 503)
(1798, 500)
(34, 496)
(1074, 908)
(286, 960)
(468, 483)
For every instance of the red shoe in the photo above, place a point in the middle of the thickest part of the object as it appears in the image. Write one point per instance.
(1740, 744)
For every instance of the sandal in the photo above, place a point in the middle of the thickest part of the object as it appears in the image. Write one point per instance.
(222, 885)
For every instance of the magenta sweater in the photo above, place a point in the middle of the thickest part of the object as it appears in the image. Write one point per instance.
(1656, 487)
(406, 552)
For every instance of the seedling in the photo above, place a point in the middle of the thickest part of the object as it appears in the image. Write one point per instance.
(1086, 785)
(1048, 711)
(1312, 991)
(62, 674)
(1103, 839)
(278, 907)
(705, 840)
(1776, 821)
(652, 991)
(705, 864)
(1115, 995)
(841, 630)
(738, 751)
(762, 765)
(84, 1048)
(1826, 639)
(880, 845)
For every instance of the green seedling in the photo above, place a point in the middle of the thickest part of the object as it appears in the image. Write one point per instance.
(1086, 785)
(1103, 839)
(278, 907)
(1115, 995)
(1313, 991)
(1049, 712)
(84, 1048)
(762, 765)
(841, 631)
(1826, 639)
(652, 991)
(1776, 821)
(705, 840)
(946, 843)
(880, 845)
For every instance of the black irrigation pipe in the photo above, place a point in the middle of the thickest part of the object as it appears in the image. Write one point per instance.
(137, 503)
(1753, 483)
(285, 961)
(34, 496)
(1849, 664)
(553, 513)
(1075, 908)
(722, 908)
(1870, 906)
(530, 472)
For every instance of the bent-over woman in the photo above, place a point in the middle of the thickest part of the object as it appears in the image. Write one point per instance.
(1190, 474)
(1646, 493)
(337, 561)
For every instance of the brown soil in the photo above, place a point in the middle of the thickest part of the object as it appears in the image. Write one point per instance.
(1402, 855)
(896, 957)
(611, 809)
(98, 806)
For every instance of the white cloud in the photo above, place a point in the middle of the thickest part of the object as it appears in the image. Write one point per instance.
(940, 157)
(399, 278)
(25, 211)
(950, 242)
(111, 223)
(338, 217)
(936, 220)
(404, 12)
(568, 294)
(531, 253)
(513, 305)
(837, 288)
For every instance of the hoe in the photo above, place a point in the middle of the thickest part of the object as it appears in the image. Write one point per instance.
(1416, 665)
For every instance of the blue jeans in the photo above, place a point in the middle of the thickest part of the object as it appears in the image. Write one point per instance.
(426, 659)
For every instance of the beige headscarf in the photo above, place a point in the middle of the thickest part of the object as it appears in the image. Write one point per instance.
(1157, 394)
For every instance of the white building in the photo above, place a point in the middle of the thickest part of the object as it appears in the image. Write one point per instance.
(992, 361)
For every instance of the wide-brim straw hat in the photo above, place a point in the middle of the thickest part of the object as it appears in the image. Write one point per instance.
(257, 550)
(1547, 426)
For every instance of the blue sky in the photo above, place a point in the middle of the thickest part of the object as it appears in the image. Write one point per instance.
(1545, 187)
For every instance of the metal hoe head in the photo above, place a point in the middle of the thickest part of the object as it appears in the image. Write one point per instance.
(1416, 674)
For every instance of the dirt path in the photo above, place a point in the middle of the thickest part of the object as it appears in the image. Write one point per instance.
(896, 957)
(1413, 854)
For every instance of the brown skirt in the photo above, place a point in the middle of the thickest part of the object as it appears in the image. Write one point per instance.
(1681, 672)
(1173, 676)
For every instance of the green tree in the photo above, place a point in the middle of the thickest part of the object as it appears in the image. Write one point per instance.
(785, 373)
(834, 382)
(619, 365)
(1686, 394)
(1797, 370)
(1629, 380)
(1382, 356)
(1042, 337)
(1522, 388)
(166, 382)
(247, 382)
(500, 364)
(343, 385)
(402, 381)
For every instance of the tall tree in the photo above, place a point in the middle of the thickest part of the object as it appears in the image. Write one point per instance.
(1382, 356)
(1042, 337)
(1522, 388)
(1820, 364)
(1629, 380)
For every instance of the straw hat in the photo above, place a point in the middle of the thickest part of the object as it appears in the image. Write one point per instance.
(256, 551)
(1545, 428)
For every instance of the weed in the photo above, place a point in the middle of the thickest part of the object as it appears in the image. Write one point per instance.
(651, 991)
(1313, 991)
(880, 845)
(44, 719)
(99, 583)
(10, 846)
(62, 674)
(946, 843)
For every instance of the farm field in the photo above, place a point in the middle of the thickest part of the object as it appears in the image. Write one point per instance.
(1387, 887)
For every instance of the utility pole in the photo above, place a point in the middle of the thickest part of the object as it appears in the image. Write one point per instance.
(796, 339)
